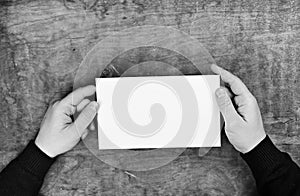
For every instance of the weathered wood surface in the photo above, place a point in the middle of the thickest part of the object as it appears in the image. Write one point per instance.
(43, 42)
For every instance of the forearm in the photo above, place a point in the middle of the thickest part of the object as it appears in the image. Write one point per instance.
(24, 175)
(274, 171)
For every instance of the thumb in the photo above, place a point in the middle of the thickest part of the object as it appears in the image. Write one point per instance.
(86, 117)
(225, 105)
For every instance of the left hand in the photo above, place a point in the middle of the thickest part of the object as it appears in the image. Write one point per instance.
(58, 133)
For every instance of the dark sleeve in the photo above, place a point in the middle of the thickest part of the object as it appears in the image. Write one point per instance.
(274, 171)
(25, 174)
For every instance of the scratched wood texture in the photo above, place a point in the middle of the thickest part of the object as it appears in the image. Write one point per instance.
(43, 42)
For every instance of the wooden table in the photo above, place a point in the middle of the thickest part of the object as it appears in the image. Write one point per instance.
(43, 42)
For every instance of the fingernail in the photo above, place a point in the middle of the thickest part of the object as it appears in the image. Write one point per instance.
(215, 68)
(98, 106)
(84, 134)
(220, 92)
(212, 66)
(95, 105)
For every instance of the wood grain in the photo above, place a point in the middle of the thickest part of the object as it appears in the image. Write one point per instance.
(43, 42)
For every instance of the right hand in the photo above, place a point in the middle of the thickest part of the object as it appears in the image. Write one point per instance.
(243, 124)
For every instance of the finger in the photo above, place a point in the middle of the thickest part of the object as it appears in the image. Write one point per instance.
(78, 95)
(240, 100)
(71, 109)
(82, 104)
(85, 118)
(85, 133)
(236, 85)
(92, 126)
(226, 107)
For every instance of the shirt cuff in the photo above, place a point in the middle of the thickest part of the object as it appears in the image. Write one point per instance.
(263, 157)
(34, 160)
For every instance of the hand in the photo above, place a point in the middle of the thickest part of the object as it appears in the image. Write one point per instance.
(58, 134)
(243, 124)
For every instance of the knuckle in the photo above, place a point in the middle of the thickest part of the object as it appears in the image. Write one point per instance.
(237, 99)
(56, 107)
(226, 102)
(222, 104)
(88, 113)
(85, 117)
(235, 79)
(56, 103)
(225, 105)
(252, 99)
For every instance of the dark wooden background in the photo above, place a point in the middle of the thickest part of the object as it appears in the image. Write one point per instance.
(42, 43)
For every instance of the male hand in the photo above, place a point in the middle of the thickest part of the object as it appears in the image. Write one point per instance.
(58, 134)
(243, 124)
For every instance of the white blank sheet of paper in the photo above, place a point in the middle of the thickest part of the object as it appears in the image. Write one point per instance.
(158, 112)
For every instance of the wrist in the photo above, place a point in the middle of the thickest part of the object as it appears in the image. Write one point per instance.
(44, 149)
(255, 142)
